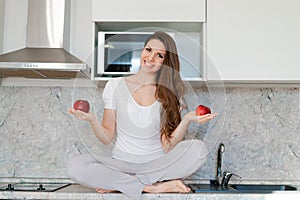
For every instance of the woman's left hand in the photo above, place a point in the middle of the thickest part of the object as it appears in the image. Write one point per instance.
(201, 119)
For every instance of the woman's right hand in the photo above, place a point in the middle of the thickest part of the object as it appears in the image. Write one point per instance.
(80, 115)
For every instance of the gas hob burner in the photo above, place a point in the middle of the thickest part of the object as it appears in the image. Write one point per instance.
(34, 187)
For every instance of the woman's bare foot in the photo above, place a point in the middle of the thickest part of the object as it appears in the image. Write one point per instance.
(168, 186)
(102, 191)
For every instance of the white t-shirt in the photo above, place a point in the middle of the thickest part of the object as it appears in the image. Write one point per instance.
(137, 127)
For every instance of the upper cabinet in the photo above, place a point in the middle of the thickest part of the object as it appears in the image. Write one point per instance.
(13, 24)
(253, 40)
(154, 10)
(82, 31)
(184, 18)
(1, 24)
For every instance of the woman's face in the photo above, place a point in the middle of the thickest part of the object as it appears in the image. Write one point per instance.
(152, 56)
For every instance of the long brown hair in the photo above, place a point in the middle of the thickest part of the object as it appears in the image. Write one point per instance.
(169, 86)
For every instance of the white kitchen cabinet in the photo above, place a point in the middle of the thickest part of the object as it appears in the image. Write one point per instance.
(186, 17)
(253, 40)
(82, 31)
(13, 25)
(154, 10)
(1, 24)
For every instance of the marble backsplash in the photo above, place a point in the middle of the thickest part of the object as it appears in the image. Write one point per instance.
(258, 126)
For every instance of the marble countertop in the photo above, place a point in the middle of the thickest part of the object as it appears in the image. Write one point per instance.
(76, 191)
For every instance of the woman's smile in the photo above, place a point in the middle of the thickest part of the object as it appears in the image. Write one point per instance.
(148, 64)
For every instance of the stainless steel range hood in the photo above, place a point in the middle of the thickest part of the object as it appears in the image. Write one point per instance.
(44, 55)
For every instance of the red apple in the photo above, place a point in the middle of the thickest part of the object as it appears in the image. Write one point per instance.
(82, 105)
(202, 110)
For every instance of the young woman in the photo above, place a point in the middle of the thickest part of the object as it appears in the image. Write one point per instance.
(142, 114)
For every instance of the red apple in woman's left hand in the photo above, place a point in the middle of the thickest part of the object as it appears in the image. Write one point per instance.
(82, 105)
(202, 110)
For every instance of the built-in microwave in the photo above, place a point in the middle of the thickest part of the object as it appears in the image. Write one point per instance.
(119, 52)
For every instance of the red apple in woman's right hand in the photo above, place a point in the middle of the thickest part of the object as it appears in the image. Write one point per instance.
(202, 110)
(82, 105)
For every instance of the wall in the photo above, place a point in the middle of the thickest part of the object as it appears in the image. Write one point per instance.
(259, 127)
(260, 133)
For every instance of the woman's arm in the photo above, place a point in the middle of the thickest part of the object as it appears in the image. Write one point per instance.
(105, 132)
(181, 129)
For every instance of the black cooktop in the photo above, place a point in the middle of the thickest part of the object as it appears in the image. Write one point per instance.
(33, 187)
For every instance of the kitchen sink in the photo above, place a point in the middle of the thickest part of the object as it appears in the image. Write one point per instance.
(204, 188)
(252, 187)
(239, 188)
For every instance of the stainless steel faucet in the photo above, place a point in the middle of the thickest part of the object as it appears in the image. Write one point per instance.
(219, 163)
(222, 178)
(226, 178)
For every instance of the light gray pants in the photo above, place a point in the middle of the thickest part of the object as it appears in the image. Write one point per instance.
(131, 178)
